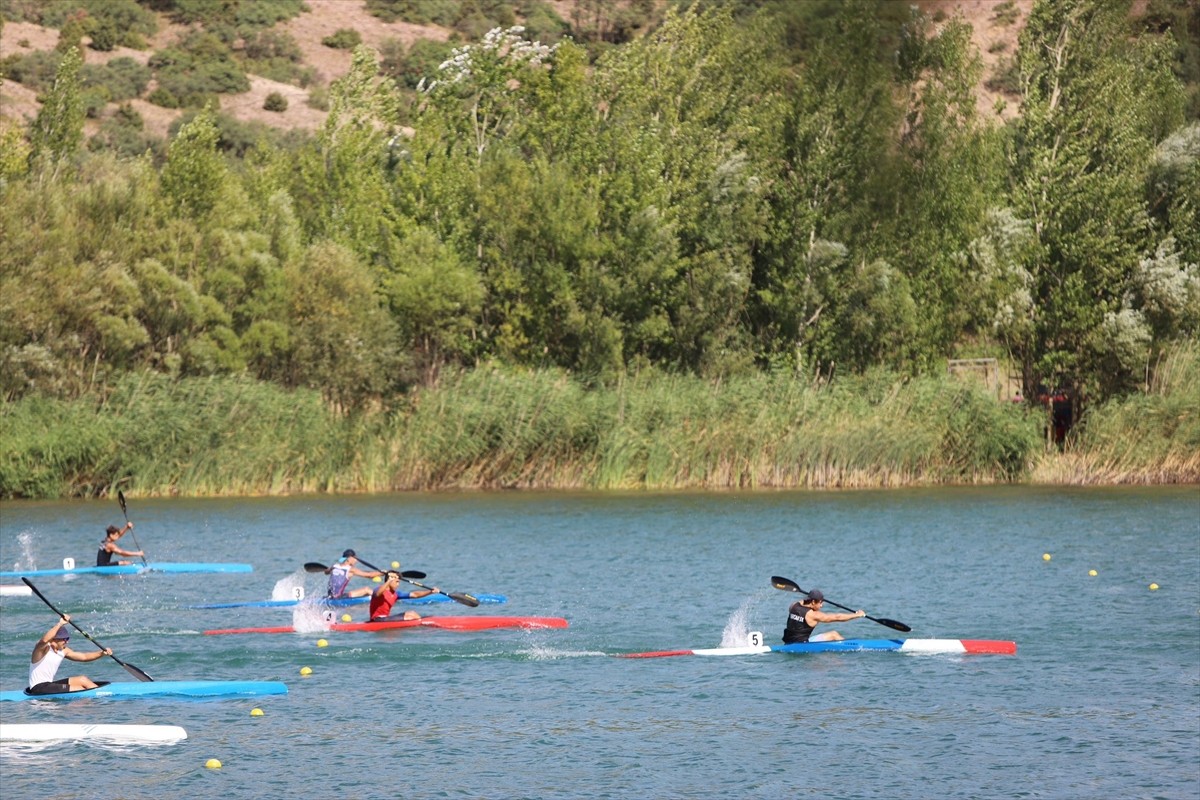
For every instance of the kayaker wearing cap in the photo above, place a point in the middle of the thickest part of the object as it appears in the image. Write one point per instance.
(385, 597)
(108, 547)
(49, 653)
(341, 572)
(806, 614)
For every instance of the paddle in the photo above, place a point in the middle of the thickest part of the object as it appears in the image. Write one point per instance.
(313, 566)
(130, 668)
(791, 586)
(458, 597)
(121, 500)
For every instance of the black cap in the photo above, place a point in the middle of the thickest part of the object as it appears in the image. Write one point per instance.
(63, 633)
(349, 553)
(815, 594)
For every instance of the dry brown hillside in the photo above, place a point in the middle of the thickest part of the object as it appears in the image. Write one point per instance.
(995, 34)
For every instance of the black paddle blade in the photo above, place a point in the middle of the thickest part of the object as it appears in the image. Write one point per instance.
(465, 599)
(412, 573)
(313, 566)
(134, 671)
(121, 500)
(785, 584)
(893, 624)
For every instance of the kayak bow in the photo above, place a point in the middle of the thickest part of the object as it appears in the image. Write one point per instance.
(52, 732)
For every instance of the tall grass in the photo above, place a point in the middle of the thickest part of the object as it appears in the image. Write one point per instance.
(496, 427)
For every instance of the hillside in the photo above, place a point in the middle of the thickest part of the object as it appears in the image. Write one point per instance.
(996, 26)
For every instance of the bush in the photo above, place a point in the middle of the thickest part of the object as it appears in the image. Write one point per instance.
(275, 102)
(343, 39)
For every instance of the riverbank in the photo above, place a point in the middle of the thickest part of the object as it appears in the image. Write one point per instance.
(499, 428)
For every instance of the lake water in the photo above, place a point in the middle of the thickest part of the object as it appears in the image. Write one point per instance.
(1101, 701)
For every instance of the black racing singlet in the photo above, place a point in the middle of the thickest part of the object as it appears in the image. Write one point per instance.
(797, 629)
(103, 557)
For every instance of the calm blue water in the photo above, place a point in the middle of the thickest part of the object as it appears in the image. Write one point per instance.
(1102, 700)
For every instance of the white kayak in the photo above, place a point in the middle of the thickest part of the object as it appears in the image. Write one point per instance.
(49, 732)
(9, 590)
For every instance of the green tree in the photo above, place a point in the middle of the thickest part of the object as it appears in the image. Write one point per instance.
(57, 132)
(1077, 173)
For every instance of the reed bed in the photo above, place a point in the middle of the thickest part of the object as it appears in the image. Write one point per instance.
(502, 428)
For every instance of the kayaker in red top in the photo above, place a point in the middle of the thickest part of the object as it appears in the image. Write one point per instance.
(385, 596)
(108, 547)
(805, 615)
(49, 653)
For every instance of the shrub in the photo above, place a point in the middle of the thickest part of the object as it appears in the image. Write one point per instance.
(343, 39)
(275, 102)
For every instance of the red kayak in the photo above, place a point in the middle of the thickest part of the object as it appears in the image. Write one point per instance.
(446, 623)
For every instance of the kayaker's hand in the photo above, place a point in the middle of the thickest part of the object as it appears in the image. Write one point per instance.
(860, 613)
(108, 651)
(65, 619)
(128, 525)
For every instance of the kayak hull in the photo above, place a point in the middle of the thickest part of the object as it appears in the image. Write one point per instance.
(349, 601)
(445, 623)
(934, 646)
(52, 732)
(130, 569)
(131, 689)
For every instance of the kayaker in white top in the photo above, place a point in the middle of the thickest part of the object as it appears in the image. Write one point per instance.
(341, 572)
(49, 653)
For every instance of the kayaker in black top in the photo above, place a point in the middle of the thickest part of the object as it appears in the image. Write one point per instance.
(108, 547)
(805, 615)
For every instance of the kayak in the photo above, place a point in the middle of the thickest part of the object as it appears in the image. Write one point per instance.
(8, 590)
(49, 732)
(445, 623)
(121, 690)
(129, 569)
(945, 646)
(349, 601)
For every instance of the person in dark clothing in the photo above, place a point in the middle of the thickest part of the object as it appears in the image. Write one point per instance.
(109, 548)
(805, 615)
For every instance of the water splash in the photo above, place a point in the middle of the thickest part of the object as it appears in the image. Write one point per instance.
(737, 628)
(290, 587)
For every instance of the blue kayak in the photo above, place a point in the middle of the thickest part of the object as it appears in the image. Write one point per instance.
(349, 601)
(126, 689)
(130, 569)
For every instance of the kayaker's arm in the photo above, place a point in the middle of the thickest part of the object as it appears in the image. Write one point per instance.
(822, 616)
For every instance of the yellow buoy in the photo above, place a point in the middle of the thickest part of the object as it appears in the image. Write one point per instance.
(256, 712)
(322, 643)
(395, 565)
(1092, 572)
(1045, 556)
(1154, 587)
(212, 763)
(346, 617)
(377, 579)
(306, 670)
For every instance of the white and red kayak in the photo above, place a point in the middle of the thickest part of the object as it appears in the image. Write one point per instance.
(943, 646)
(446, 623)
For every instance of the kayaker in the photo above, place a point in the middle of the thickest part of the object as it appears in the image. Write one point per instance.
(109, 548)
(49, 653)
(341, 572)
(385, 596)
(806, 614)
